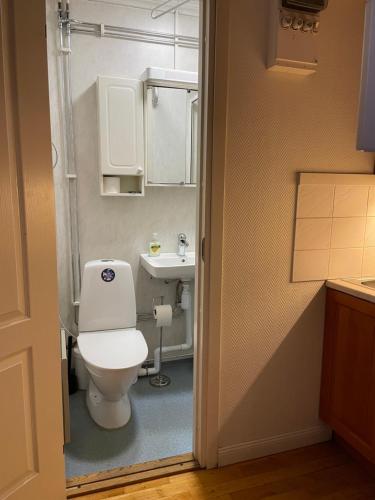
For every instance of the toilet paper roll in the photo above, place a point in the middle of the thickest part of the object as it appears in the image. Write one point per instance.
(111, 185)
(163, 315)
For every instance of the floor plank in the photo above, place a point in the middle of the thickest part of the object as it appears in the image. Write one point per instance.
(323, 471)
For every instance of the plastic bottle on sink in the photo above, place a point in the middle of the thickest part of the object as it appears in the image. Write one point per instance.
(154, 246)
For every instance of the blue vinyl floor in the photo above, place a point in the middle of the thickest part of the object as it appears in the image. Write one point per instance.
(161, 426)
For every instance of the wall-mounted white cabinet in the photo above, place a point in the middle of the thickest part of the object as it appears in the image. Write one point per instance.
(171, 127)
(171, 145)
(152, 127)
(121, 144)
(366, 129)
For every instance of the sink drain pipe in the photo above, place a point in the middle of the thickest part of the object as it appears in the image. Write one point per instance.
(186, 306)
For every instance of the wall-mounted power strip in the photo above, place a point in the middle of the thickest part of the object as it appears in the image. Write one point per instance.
(293, 43)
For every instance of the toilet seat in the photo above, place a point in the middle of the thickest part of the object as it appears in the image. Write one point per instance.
(113, 349)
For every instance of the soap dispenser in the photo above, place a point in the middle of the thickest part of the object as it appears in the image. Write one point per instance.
(154, 246)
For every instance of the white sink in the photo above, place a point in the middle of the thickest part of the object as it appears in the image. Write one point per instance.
(170, 265)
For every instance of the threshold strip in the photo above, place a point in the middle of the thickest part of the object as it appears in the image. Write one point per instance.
(123, 476)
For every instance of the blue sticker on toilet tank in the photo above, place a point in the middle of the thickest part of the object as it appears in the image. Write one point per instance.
(108, 275)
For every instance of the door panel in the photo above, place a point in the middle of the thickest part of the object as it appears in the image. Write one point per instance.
(17, 431)
(12, 297)
(31, 438)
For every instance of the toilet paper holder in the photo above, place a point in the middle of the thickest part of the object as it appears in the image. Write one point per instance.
(157, 301)
(159, 380)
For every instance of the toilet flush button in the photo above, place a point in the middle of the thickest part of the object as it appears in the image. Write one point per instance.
(108, 275)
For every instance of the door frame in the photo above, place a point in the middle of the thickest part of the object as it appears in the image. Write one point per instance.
(209, 248)
(210, 229)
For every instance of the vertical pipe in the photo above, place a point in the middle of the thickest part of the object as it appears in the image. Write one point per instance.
(174, 38)
(72, 180)
(187, 307)
(68, 139)
(161, 341)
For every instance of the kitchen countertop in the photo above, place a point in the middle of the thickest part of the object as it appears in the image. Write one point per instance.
(354, 287)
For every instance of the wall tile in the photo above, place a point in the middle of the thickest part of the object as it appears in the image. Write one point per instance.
(334, 212)
(348, 232)
(345, 262)
(337, 179)
(310, 265)
(313, 234)
(368, 267)
(315, 200)
(371, 202)
(350, 201)
(370, 232)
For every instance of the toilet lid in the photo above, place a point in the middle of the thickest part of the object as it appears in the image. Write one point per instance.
(113, 349)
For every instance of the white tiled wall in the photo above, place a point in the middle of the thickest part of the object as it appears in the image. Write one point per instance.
(335, 227)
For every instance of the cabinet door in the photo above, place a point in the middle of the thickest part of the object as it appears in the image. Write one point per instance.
(166, 135)
(348, 379)
(120, 117)
(192, 137)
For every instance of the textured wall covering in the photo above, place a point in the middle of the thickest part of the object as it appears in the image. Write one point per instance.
(279, 125)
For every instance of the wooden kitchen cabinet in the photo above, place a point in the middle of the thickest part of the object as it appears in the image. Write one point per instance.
(348, 373)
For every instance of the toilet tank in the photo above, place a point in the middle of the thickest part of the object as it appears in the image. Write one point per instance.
(107, 296)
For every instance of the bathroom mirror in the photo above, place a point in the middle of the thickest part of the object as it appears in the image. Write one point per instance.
(171, 136)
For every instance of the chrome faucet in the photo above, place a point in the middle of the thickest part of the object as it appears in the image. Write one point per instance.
(182, 244)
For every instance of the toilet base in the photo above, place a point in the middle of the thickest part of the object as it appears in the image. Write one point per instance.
(107, 414)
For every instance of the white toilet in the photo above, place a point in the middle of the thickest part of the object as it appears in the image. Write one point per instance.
(111, 346)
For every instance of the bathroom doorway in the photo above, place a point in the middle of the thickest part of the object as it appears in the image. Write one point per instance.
(124, 92)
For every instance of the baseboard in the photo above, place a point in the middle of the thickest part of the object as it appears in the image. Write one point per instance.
(274, 444)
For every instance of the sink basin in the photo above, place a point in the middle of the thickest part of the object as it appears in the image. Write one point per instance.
(369, 283)
(170, 265)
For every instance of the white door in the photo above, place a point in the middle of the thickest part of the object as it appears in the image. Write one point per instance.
(31, 437)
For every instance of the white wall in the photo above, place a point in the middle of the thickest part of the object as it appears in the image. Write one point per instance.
(119, 227)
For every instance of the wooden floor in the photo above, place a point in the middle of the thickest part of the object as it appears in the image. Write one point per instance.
(321, 471)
